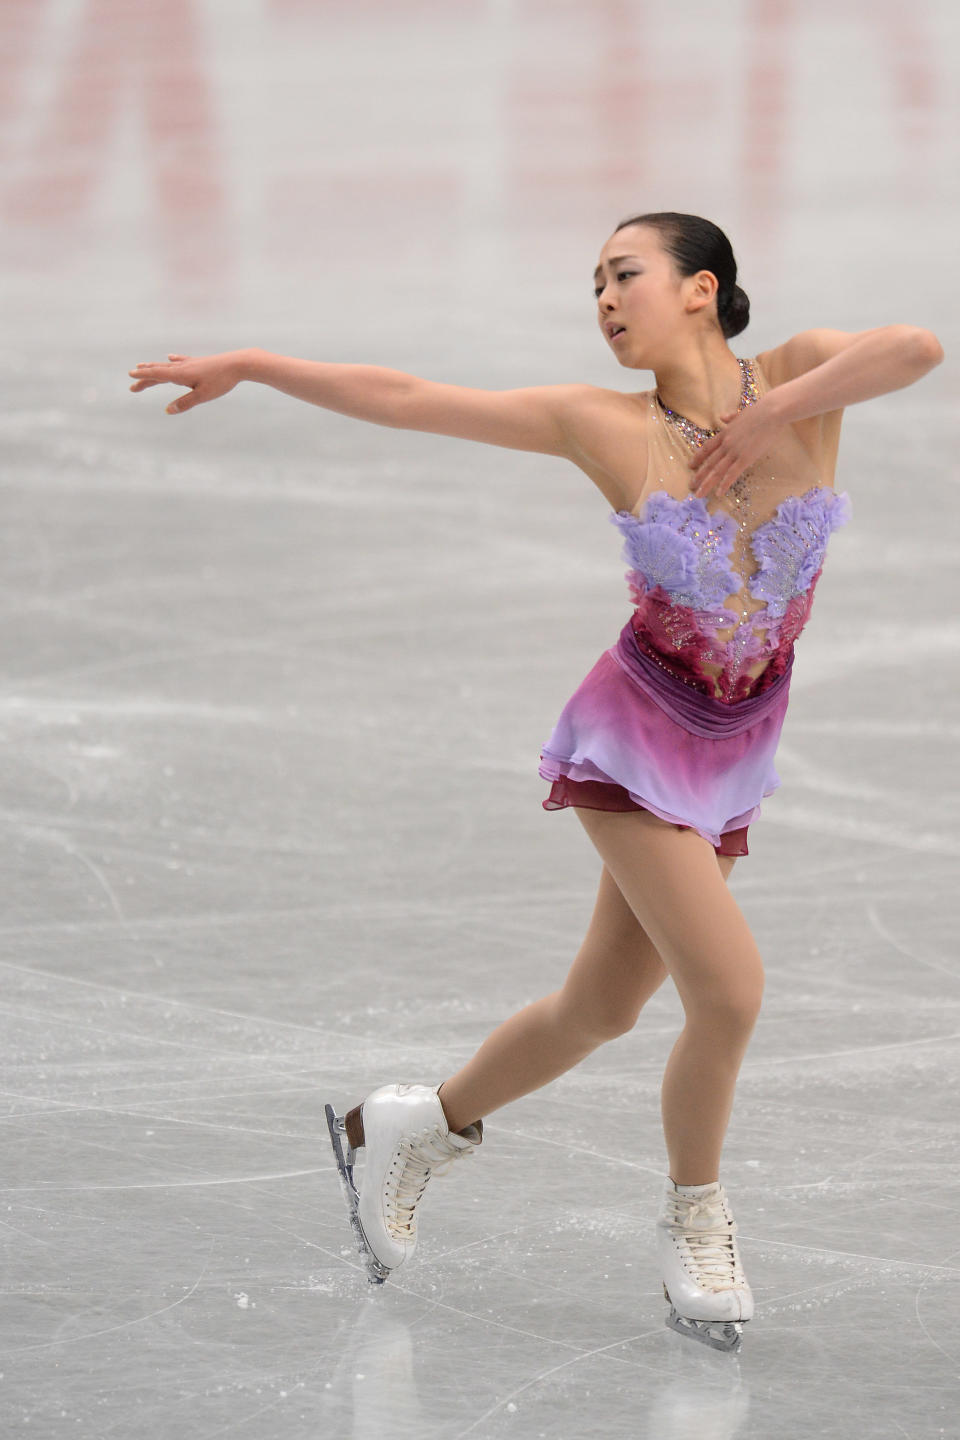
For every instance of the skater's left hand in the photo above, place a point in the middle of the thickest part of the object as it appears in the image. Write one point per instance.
(744, 436)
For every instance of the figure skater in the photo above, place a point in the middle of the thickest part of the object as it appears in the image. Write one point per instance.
(720, 482)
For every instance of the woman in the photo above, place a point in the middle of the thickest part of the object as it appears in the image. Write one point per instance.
(721, 483)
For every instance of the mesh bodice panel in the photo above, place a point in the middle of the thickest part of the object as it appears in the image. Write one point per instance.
(723, 588)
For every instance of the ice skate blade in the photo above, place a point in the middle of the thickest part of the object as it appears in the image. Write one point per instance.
(377, 1272)
(729, 1338)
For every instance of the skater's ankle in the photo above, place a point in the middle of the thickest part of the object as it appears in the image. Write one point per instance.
(455, 1129)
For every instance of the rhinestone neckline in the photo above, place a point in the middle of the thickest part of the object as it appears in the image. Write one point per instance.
(696, 434)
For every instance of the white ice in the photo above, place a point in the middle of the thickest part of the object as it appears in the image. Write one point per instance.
(275, 684)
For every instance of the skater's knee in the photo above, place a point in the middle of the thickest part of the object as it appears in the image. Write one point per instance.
(731, 1010)
(598, 1019)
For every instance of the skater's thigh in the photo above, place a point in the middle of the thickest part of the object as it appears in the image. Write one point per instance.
(670, 879)
(617, 967)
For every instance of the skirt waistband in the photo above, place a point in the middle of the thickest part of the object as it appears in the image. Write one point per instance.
(699, 713)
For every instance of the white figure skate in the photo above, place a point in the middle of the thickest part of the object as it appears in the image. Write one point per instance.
(703, 1277)
(407, 1139)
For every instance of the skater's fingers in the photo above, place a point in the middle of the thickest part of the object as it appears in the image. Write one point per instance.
(172, 365)
(719, 472)
(151, 369)
(144, 381)
(705, 480)
(185, 402)
(159, 372)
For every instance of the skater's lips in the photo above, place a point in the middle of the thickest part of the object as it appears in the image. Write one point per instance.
(611, 327)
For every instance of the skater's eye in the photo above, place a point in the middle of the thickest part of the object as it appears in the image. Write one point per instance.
(620, 275)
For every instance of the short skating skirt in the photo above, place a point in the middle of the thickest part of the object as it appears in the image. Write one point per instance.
(634, 737)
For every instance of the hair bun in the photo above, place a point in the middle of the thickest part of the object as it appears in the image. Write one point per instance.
(734, 313)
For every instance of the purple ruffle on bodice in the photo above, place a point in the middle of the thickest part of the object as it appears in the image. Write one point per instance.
(791, 546)
(680, 574)
(678, 544)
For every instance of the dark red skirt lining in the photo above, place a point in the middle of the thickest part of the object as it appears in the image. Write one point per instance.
(605, 795)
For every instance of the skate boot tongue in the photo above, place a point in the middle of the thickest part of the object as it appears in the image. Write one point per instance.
(697, 1191)
(703, 1199)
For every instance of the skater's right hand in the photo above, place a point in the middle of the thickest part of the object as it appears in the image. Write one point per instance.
(208, 376)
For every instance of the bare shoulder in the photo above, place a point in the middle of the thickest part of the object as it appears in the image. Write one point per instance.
(808, 348)
(606, 433)
(803, 351)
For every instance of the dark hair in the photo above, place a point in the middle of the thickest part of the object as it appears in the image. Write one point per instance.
(697, 244)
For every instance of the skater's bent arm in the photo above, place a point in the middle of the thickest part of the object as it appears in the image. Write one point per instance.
(536, 418)
(869, 364)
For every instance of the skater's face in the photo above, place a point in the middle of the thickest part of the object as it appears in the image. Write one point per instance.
(638, 288)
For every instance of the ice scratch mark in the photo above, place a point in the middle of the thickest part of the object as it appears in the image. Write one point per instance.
(898, 945)
(433, 909)
(141, 659)
(489, 1320)
(79, 1027)
(191, 1122)
(124, 1325)
(151, 999)
(33, 1239)
(52, 837)
(546, 1374)
(767, 1061)
(24, 761)
(876, 832)
(916, 1306)
(144, 1093)
(852, 1255)
(885, 729)
(59, 1189)
(575, 1149)
(899, 1148)
(335, 1255)
(815, 776)
(515, 1230)
(52, 1108)
(234, 1425)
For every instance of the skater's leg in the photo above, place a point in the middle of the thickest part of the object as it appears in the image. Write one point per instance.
(615, 972)
(670, 877)
(404, 1132)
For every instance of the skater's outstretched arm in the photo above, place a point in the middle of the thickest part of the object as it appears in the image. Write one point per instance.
(545, 418)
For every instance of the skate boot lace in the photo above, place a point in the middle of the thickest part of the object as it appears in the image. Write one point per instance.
(418, 1156)
(711, 1254)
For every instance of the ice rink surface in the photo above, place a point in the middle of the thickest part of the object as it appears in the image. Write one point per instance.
(275, 684)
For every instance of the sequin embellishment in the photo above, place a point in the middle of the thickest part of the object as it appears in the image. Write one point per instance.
(696, 434)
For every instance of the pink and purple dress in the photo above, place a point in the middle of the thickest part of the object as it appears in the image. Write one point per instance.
(682, 716)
